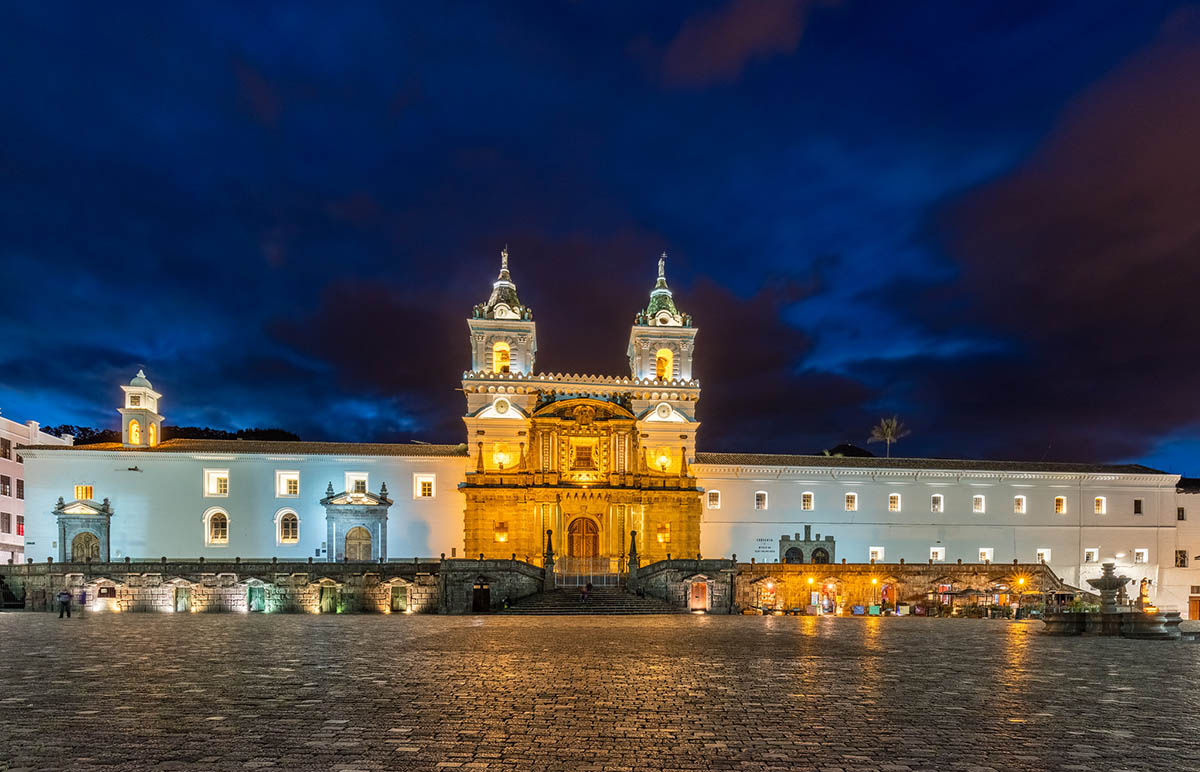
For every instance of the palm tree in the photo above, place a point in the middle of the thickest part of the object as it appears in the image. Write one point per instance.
(889, 430)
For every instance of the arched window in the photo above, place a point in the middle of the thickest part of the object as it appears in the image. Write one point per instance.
(152, 434)
(501, 357)
(664, 364)
(216, 527)
(135, 432)
(288, 527)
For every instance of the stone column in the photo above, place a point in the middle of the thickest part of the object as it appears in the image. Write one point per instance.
(548, 562)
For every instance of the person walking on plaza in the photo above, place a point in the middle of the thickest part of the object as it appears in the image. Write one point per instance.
(64, 603)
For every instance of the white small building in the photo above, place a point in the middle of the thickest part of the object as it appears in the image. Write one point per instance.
(13, 482)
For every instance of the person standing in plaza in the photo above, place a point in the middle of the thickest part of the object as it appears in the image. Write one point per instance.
(64, 603)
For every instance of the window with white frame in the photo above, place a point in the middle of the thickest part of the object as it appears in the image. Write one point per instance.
(978, 504)
(287, 527)
(287, 484)
(937, 503)
(893, 502)
(1091, 555)
(937, 554)
(875, 553)
(986, 554)
(216, 527)
(714, 499)
(851, 502)
(216, 482)
(806, 501)
(356, 482)
(1100, 505)
(1043, 555)
(1019, 506)
(760, 499)
(424, 486)
(1060, 505)
(1141, 555)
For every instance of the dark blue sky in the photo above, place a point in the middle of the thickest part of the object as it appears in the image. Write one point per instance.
(983, 218)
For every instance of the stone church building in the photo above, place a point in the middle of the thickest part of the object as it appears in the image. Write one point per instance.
(604, 463)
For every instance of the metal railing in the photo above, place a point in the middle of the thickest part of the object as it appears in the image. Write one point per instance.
(577, 572)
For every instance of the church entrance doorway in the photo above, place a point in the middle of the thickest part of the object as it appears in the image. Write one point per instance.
(358, 544)
(583, 538)
(84, 547)
(699, 601)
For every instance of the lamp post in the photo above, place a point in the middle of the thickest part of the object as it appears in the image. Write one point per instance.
(874, 583)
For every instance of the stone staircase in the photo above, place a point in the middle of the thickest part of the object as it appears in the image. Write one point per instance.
(603, 600)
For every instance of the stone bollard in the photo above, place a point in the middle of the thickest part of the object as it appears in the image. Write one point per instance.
(872, 561)
(164, 560)
(310, 560)
(960, 561)
(29, 561)
(735, 557)
(237, 561)
(514, 557)
(843, 561)
(480, 556)
(443, 557)
(1014, 561)
(127, 560)
(901, 561)
(201, 559)
(274, 560)
(49, 561)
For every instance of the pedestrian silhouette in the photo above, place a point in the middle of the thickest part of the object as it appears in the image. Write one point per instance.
(64, 604)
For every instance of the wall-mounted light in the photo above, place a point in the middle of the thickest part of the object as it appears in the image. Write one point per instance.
(501, 532)
(664, 533)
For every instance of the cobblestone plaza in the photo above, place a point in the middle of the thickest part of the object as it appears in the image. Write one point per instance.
(368, 692)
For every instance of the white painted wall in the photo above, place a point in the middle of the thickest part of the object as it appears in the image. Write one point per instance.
(158, 510)
(737, 528)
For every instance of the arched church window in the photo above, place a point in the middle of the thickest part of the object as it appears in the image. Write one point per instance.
(501, 357)
(152, 434)
(135, 432)
(664, 364)
(289, 529)
(218, 528)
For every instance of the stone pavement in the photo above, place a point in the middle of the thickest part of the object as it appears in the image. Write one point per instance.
(233, 692)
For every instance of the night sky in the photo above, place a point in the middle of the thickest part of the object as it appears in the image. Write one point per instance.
(986, 220)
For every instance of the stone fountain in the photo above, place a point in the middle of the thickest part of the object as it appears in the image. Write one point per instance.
(1114, 618)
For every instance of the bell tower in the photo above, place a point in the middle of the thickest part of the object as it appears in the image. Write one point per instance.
(503, 333)
(662, 339)
(141, 425)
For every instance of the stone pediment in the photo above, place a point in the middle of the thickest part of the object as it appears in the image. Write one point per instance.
(583, 410)
(356, 499)
(83, 507)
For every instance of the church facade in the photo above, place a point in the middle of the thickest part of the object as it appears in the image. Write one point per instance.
(592, 466)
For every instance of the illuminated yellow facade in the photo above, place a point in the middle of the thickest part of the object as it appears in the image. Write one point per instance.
(588, 459)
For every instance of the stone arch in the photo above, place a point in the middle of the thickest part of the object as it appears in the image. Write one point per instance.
(85, 546)
(358, 544)
(583, 537)
(819, 555)
(794, 555)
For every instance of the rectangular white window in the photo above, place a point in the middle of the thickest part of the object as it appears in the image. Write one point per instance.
(978, 504)
(1019, 505)
(216, 482)
(287, 485)
(937, 554)
(876, 554)
(894, 502)
(985, 554)
(424, 486)
(851, 502)
(1100, 506)
(356, 482)
(1043, 555)
(714, 499)
(760, 500)
(1060, 505)
(806, 501)
(83, 492)
(1141, 556)
(1091, 555)
(937, 503)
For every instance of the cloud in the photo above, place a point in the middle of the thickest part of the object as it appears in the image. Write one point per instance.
(1086, 257)
(715, 46)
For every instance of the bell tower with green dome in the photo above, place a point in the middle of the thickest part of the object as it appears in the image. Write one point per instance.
(141, 425)
(662, 339)
(503, 333)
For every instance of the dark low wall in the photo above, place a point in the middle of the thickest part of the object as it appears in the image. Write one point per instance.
(737, 586)
(419, 586)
